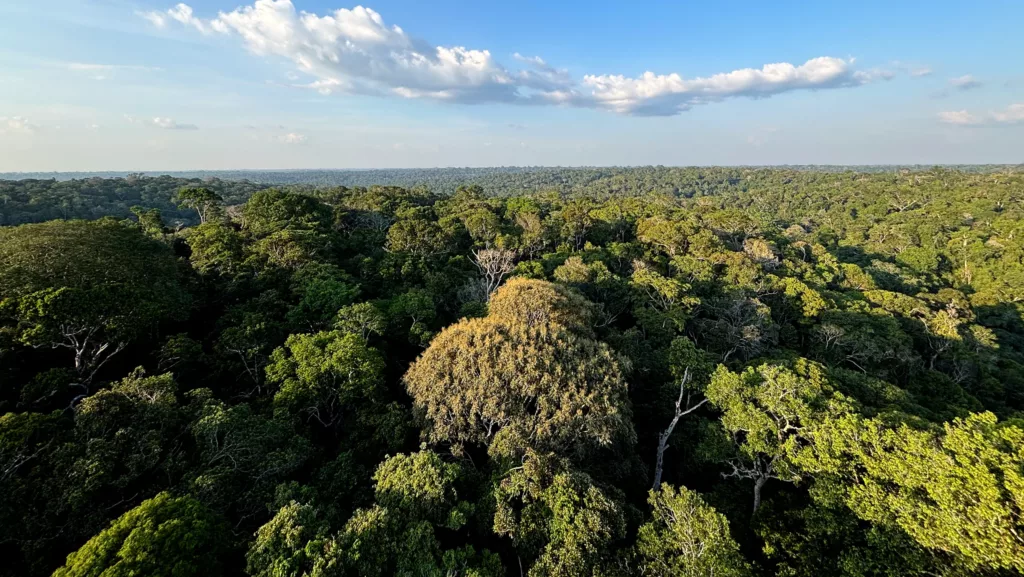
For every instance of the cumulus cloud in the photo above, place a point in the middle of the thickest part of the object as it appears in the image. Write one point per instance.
(293, 138)
(667, 94)
(1012, 114)
(354, 51)
(919, 72)
(16, 125)
(965, 82)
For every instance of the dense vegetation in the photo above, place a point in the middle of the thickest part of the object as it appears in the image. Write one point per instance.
(37, 197)
(661, 372)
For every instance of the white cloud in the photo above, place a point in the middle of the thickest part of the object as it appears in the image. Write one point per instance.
(652, 94)
(919, 72)
(961, 117)
(354, 51)
(169, 124)
(293, 138)
(1012, 114)
(155, 18)
(965, 82)
(182, 13)
(16, 125)
(103, 71)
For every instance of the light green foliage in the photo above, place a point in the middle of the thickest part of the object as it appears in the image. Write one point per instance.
(150, 221)
(163, 537)
(363, 319)
(666, 294)
(558, 517)
(686, 537)
(217, 248)
(323, 374)
(204, 201)
(396, 535)
(769, 412)
(295, 543)
(958, 492)
(423, 486)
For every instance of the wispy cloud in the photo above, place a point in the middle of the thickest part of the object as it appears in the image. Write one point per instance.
(965, 82)
(183, 14)
(160, 122)
(169, 124)
(915, 70)
(353, 51)
(960, 117)
(293, 138)
(16, 125)
(1012, 114)
(92, 67)
(104, 71)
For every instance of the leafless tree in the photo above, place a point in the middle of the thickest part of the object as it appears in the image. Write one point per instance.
(494, 264)
(682, 409)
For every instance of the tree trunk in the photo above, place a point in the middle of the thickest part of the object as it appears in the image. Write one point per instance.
(662, 445)
(758, 483)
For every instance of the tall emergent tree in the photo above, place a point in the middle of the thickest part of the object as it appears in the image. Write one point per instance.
(513, 386)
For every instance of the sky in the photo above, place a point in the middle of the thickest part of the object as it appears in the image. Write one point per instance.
(150, 85)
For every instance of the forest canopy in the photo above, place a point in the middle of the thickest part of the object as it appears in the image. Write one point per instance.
(615, 372)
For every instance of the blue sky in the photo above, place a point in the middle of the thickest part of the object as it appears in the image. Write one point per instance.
(222, 84)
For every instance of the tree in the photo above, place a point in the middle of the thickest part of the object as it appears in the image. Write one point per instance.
(163, 536)
(513, 387)
(273, 211)
(88, 287)
(494, 264)
(418, 237)
(536, 303)
(957, 491)
(683, 356)
(326, 375)
(686, 537)
(204, 201)
(768, 411)
(295, 543)
(396, 536)
(242, 455)
(557, 517)
(363, 319)
(217, 248)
